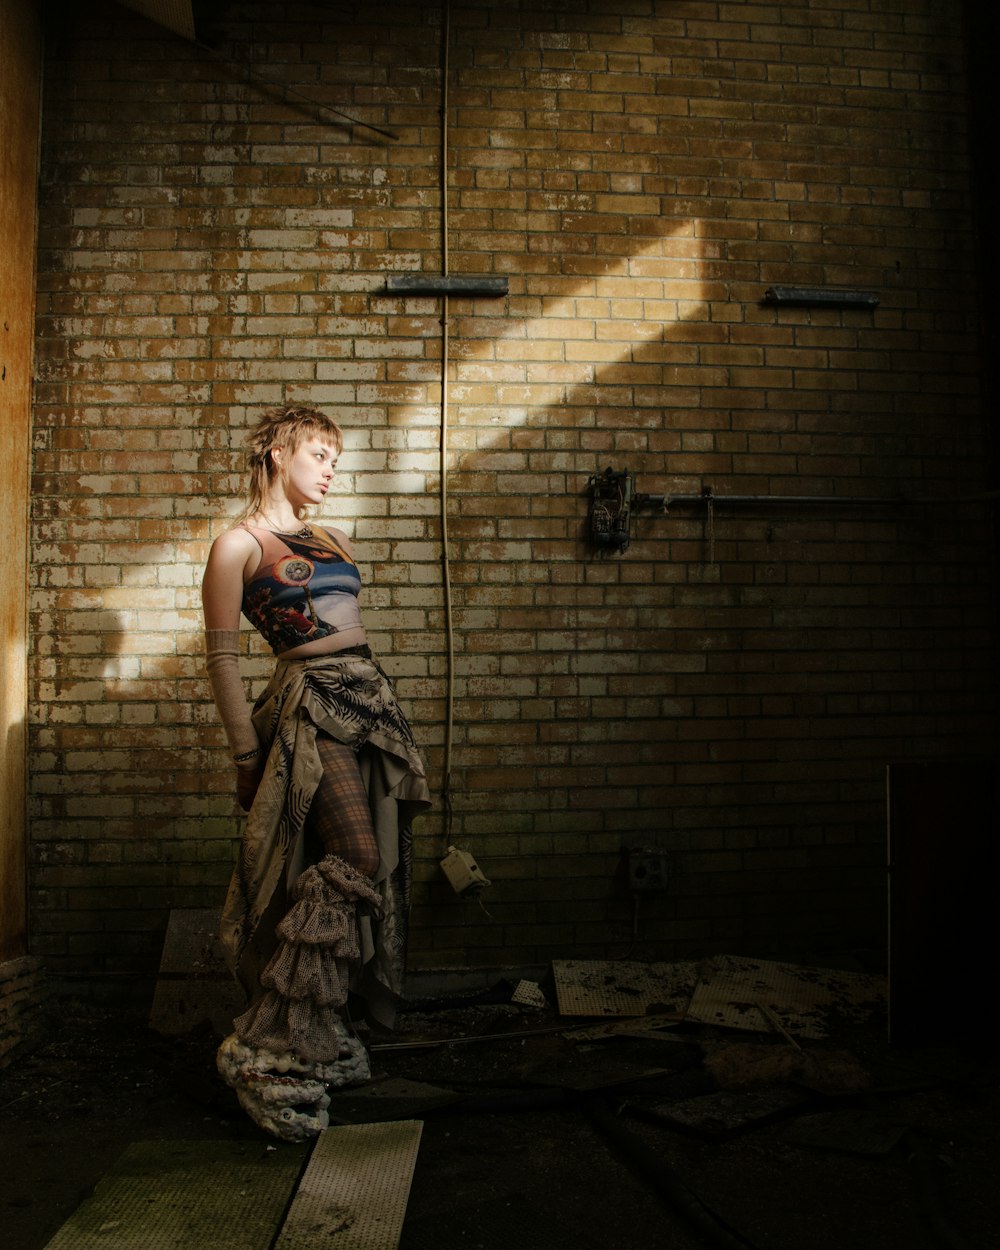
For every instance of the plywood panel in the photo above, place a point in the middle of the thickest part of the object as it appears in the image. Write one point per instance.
(20, 84)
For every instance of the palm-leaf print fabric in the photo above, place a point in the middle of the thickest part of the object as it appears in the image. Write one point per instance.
(349, 698)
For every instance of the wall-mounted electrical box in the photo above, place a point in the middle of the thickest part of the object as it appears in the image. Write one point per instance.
(648, 870)
(463, 873)
(610, 509)
(613, 499)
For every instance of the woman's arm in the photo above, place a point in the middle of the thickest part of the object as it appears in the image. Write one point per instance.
(232, 559)
(233, 554)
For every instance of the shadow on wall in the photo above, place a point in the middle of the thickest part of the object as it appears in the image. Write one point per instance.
(149, 791)
(731, 689)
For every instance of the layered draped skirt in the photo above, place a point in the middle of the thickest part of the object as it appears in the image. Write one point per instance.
(349, 698)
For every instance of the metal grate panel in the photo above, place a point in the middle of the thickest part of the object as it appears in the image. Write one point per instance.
(529, 994)
(754, 993)
(355, 1189)
(187, 1195)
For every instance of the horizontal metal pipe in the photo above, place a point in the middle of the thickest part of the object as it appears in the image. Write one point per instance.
(843, 501)
(724, 500)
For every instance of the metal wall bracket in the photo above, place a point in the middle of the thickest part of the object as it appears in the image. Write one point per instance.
(445, 284)
(821, 297)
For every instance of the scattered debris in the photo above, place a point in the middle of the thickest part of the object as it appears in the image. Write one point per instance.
(743, 1065)
(529, 994)
(701, 1108)
(723, 1114)
(731, 992)
(776, 1024)
(607, 988)
(751, 993)
(649, 1026)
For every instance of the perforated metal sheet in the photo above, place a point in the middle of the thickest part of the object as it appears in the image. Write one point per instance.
(739, 993)
(187, 1195)
(354, 1191)
(607, 988)
(529, 994)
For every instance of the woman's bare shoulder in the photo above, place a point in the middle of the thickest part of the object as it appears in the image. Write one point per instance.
(235, 541)
(234, 549)
(231, 561)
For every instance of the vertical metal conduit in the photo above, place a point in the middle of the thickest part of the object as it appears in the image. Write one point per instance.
(445, 562)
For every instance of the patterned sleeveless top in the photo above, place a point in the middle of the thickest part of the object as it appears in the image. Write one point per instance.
(306, 587)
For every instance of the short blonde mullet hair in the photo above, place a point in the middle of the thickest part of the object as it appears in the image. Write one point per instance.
(283, 428)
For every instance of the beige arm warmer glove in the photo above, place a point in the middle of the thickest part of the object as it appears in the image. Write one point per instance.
(222, 651)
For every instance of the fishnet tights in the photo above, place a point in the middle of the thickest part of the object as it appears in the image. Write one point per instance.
(339, 815)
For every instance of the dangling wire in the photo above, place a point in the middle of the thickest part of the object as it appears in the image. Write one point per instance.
(446, 803)
(711, 529)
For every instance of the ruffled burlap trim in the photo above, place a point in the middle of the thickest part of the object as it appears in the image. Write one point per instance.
(308, 976)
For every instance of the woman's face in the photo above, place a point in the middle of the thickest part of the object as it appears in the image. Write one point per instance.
(306, 472)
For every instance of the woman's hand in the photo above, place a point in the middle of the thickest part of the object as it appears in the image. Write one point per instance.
(247, 780)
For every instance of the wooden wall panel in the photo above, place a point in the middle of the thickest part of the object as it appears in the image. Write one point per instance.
(20, 84)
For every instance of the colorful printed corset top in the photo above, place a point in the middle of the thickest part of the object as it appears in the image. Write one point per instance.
(305, 588)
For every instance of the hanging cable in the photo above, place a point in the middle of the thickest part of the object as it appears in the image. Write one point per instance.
(710, 500)
(445, 562)
(446, 584)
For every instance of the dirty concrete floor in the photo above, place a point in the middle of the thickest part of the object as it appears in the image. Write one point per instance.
(627, 1142)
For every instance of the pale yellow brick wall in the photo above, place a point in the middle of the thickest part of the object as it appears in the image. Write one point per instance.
(640, 172)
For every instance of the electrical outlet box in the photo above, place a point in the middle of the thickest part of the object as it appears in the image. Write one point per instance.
(648, 871)
(463, 873)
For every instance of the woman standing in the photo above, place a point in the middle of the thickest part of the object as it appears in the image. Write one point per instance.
(329, 771)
